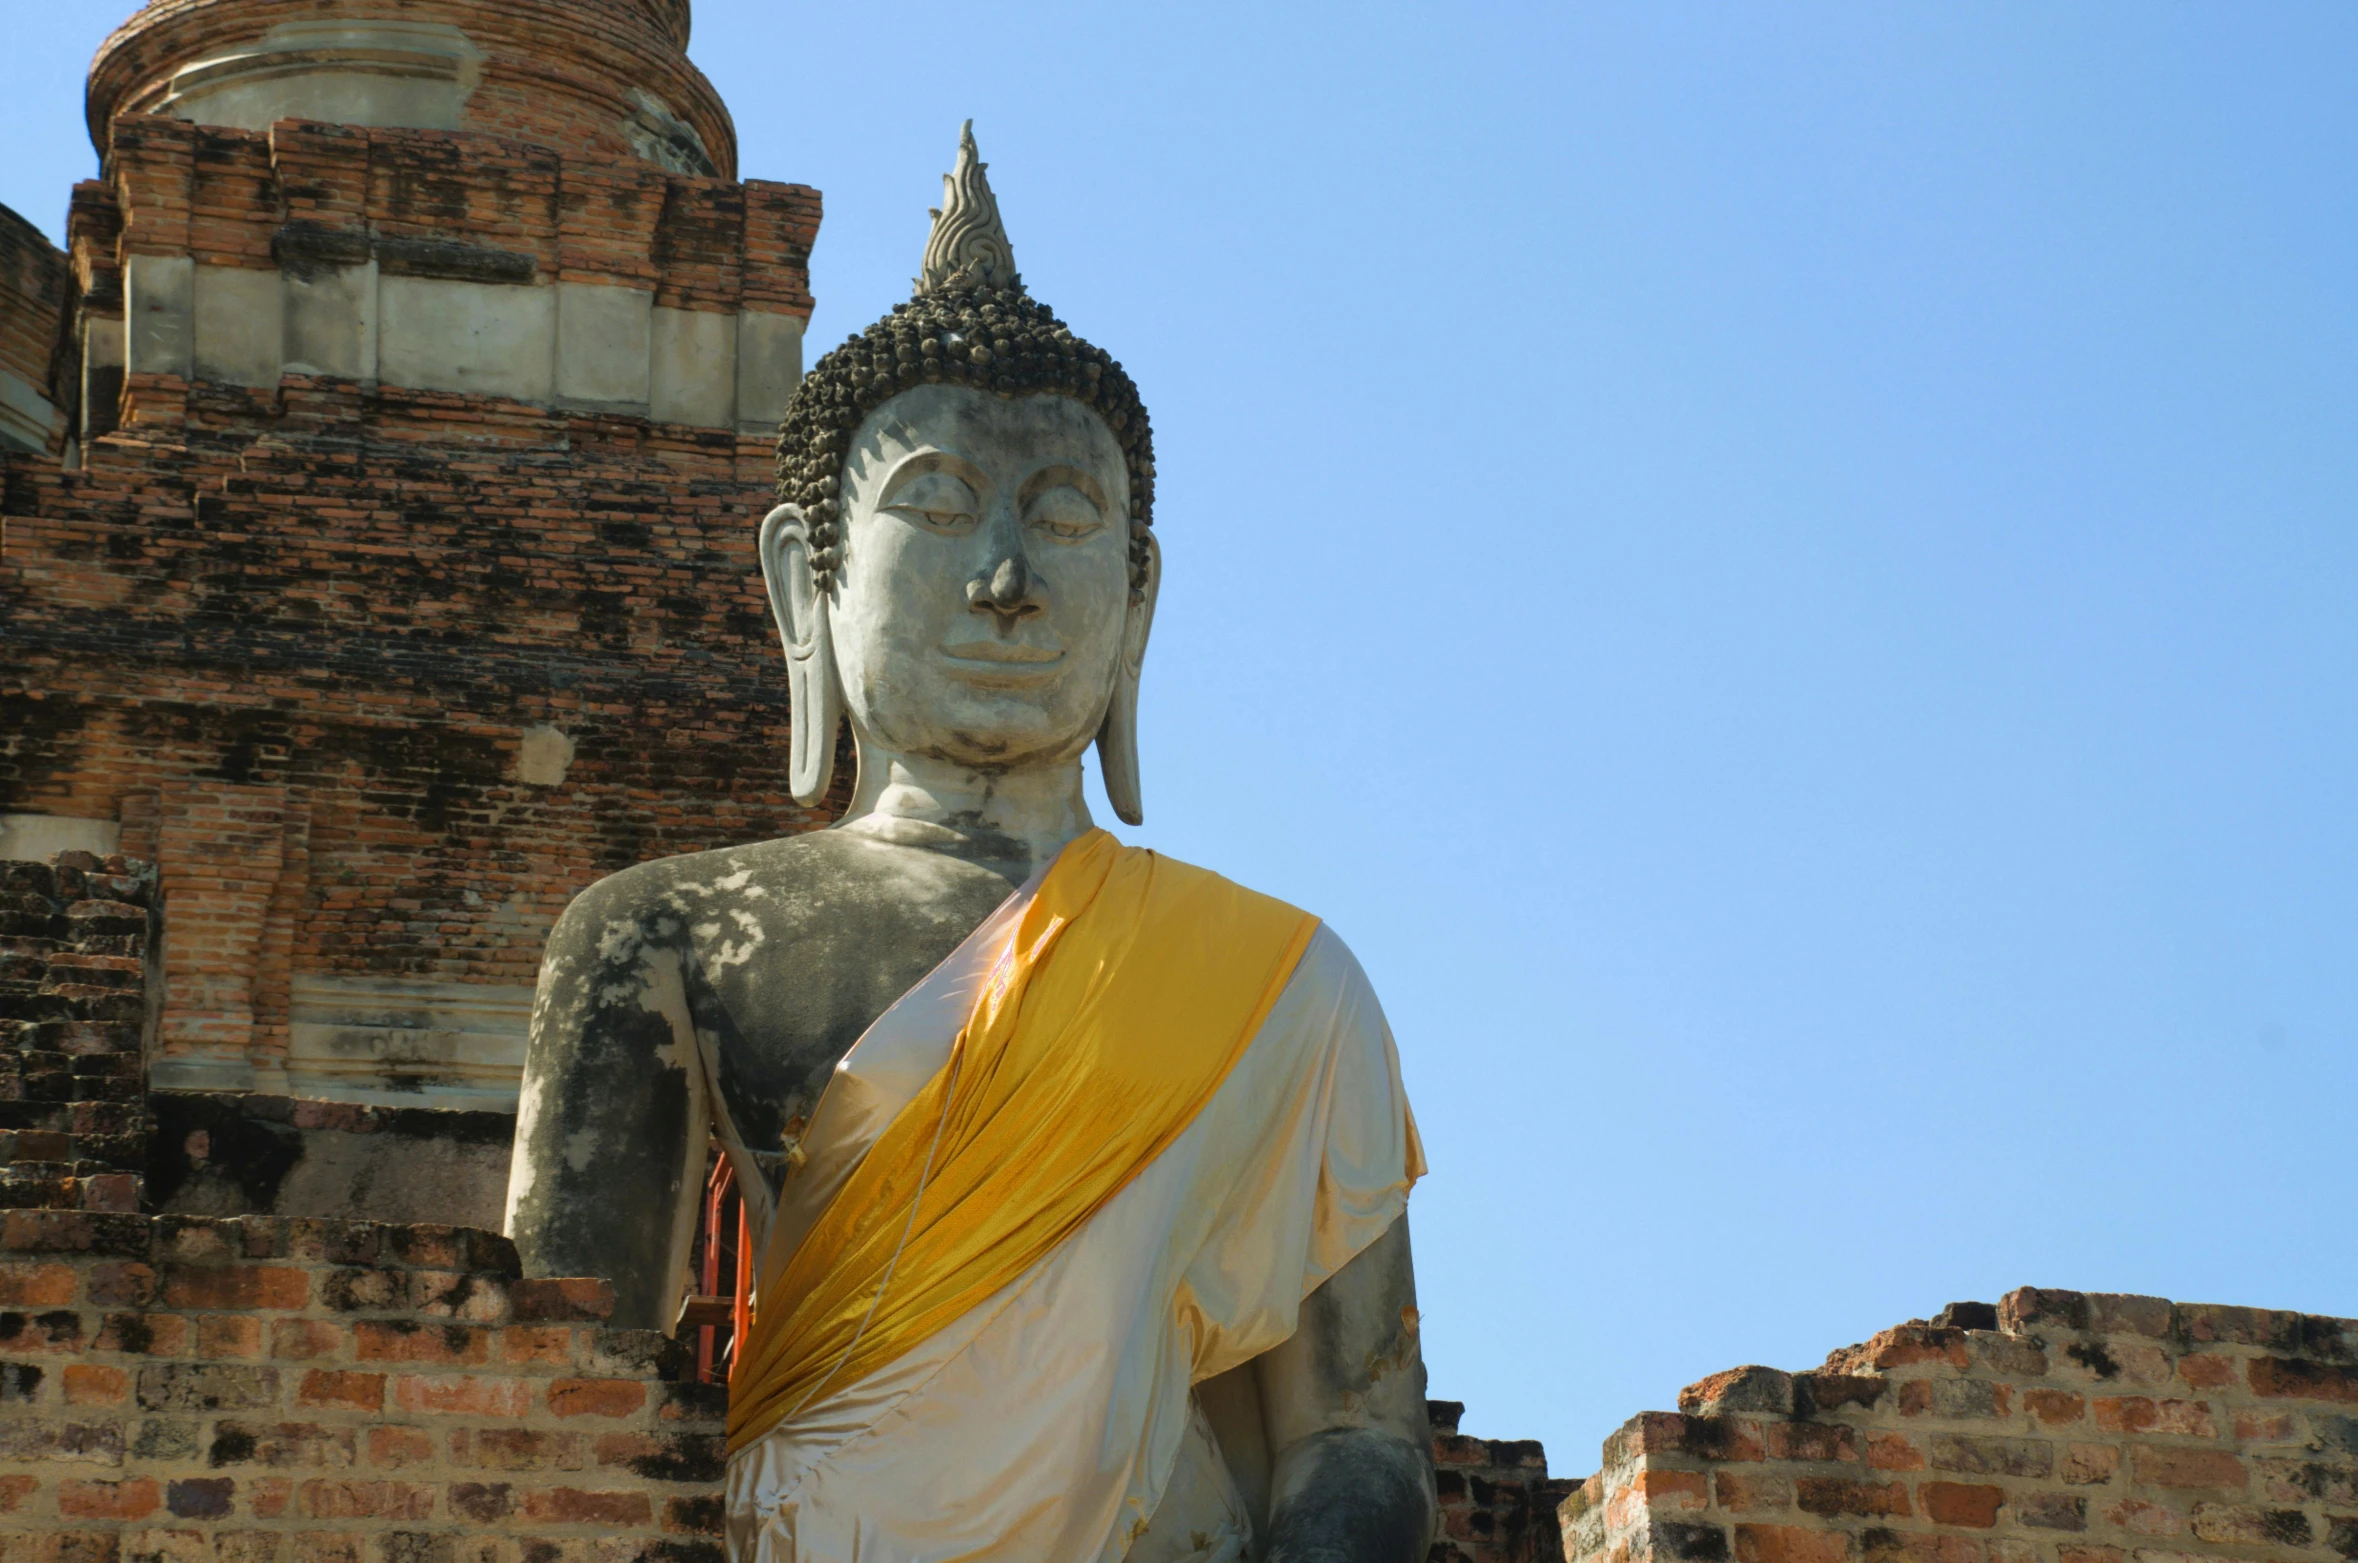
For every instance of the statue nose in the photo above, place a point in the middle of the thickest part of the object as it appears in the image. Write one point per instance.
(1007, 591)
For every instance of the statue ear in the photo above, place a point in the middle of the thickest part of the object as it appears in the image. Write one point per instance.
(1117, 740)
(814, 693)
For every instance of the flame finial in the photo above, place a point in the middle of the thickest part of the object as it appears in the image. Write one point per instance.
(968, 247)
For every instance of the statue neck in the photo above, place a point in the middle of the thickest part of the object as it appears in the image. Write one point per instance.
(920, 801)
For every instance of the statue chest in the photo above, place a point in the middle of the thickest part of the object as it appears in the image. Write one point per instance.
(780, 987)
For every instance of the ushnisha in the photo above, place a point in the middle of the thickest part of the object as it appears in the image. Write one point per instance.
(1078, 1175)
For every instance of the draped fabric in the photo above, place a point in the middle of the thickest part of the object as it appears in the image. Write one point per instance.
(1128, 991)
(1056, 1420)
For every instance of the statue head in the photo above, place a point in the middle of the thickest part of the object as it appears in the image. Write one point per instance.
(960, 562)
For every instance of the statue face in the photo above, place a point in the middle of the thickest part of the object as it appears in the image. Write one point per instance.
(986, 576)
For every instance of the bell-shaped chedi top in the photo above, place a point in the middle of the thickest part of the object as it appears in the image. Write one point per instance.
(968, 247)
(595, 78)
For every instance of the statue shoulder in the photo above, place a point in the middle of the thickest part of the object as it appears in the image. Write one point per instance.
(656, 903)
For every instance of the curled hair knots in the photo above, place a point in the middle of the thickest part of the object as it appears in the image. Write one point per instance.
(1002, 341)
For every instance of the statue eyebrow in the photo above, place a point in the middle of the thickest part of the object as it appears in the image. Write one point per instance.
(915, 466)
(1060, 476)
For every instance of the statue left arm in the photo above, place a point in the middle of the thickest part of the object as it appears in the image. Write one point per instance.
(1344, 1401)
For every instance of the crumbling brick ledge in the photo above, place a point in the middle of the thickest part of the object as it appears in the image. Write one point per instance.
(2053, 1427)
(271, 1389)
(282, 1390)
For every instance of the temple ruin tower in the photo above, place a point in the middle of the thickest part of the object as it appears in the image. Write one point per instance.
(379, 467)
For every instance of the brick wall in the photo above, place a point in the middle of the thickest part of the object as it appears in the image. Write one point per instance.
(271, 1390)
(1498, 1504)
(279, 1390)
(77, 944)
(2055, 1427)
(380, 676)
(32, 309)
(557, 72)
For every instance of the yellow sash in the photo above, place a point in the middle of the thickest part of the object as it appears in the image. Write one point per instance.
(1132, 986)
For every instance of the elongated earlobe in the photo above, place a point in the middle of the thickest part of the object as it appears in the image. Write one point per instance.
(1117, 739)
(813, 691)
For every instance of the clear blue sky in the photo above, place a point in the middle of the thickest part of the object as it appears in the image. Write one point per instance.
(1786, 574)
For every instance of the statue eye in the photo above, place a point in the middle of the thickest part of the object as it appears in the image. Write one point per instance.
(936, 500)
(1064, 512)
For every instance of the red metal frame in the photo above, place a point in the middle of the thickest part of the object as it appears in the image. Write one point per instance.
(724, 1255)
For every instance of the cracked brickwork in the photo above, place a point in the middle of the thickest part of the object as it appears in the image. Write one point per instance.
(1498, 1504)
(77, 949)
(2054, 1427)
(269, 1390)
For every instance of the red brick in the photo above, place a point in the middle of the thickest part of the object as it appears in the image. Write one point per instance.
(2206, 1371)
(596, 1396)
(2054, 1407)
(121, 1285)
(2085, 1465)
(1885, 1545)
(2142, 1414)
(2266, 1427)
(1790, 1544)
(344, 1499)
(2162, 1466)
(327, 1389)
(702, 1516)
(404, 1341)
(229, 1335)
(517, 1449)
(1894, 1452)
(2089, 1555)
(134, 1498)
(463, 1394)
(36, 1285)
(307, 1340)
(14, 1490)
(1833, 1495)
(1961, 1503)
(395, 1447)
(2236, 1524)
(1752, 1492)
(94, 1384)
(326, 1546)
(2141, 1518)
(1912, 1344)
(2282, 1378)
(572, 1506)
(1824, 1441)
(545, 1343)
(236, 1287)
(1663, 1491)
(148, 1334)
(486, 1503)
(586, 1299)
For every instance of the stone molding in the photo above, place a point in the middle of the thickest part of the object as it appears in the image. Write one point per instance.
(630, 292)
(394, 1041)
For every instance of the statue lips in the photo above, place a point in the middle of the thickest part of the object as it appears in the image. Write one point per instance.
(1006, 664)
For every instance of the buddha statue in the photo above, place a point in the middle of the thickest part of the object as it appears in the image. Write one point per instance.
(1078, 1176)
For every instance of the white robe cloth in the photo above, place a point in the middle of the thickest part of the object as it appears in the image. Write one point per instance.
(1045, 1424)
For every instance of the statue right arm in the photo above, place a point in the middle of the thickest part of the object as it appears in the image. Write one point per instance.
(613, 1123)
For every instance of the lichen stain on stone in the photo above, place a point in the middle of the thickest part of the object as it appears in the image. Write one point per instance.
(739, 953)
(663, 993)
(620, 940)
